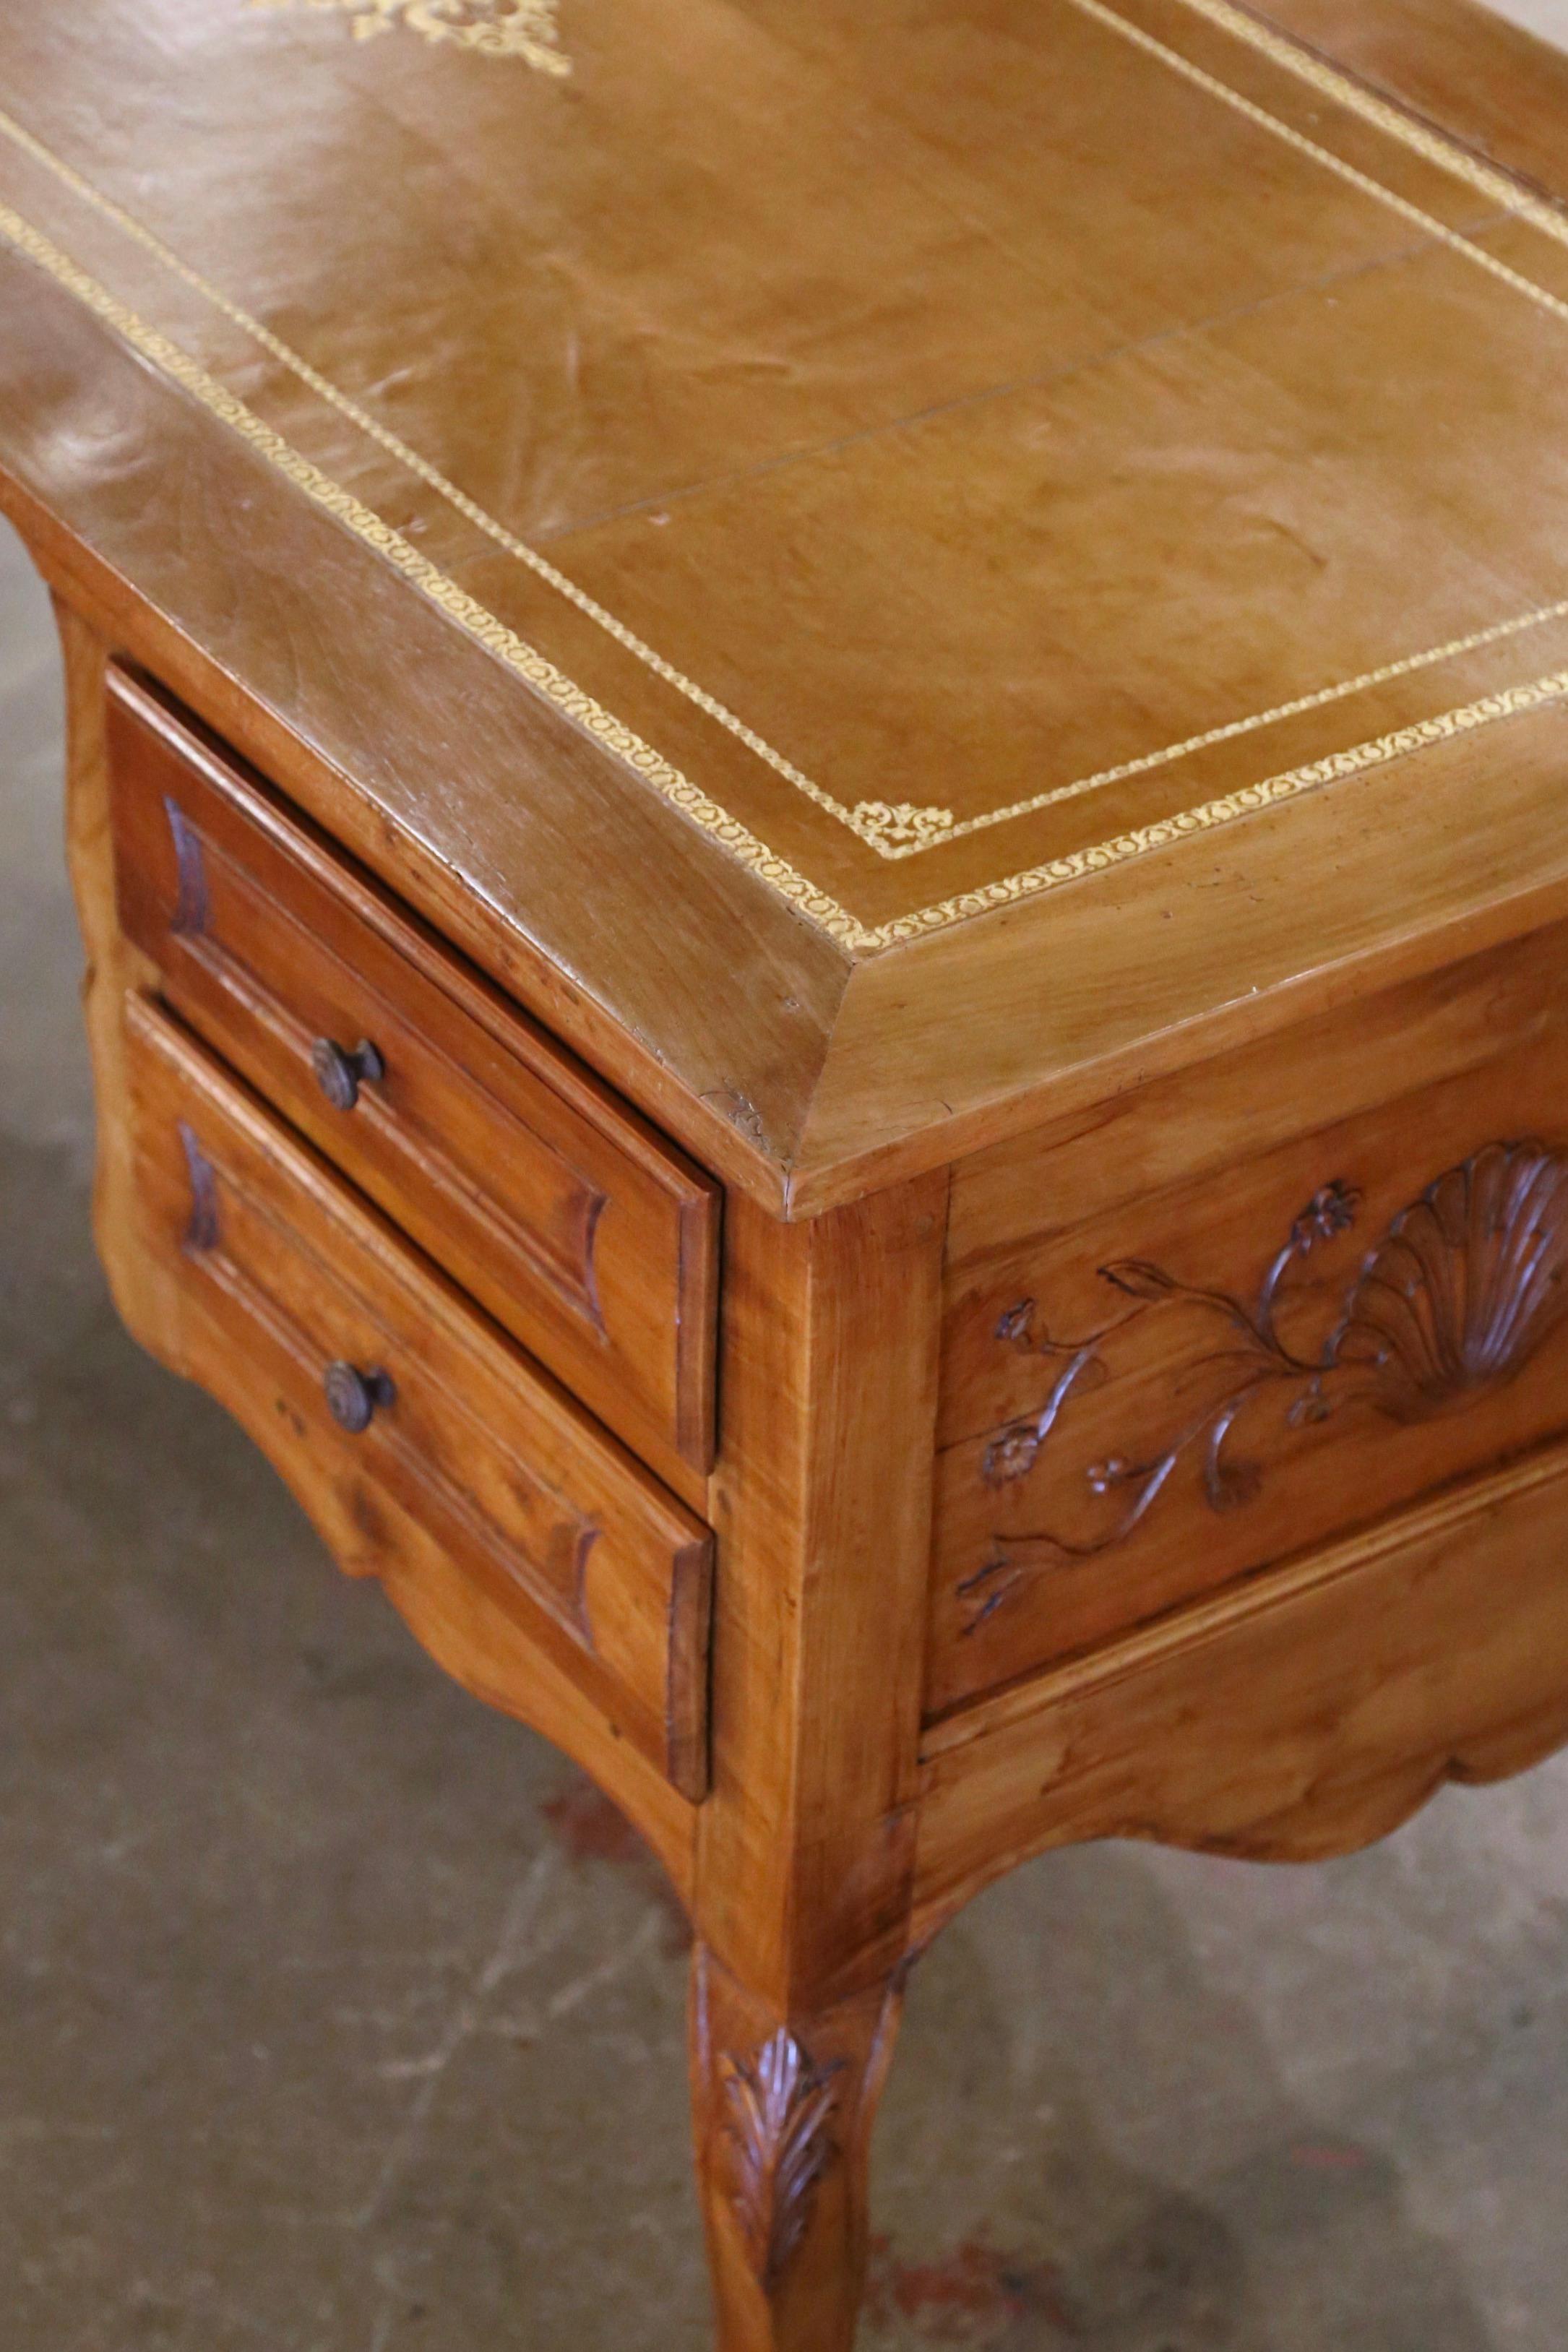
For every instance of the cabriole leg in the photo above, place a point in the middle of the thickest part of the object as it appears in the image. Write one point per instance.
(783, 2110)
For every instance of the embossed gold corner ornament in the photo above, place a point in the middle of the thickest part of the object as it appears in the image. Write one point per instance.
(896, 830)
(496, 28)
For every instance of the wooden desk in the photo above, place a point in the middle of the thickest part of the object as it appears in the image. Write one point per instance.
(817, 790)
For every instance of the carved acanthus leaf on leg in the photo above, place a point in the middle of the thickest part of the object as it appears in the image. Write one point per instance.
(779, 2118)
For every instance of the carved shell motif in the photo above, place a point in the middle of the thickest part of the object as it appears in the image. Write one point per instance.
(1453, 1302)
(779, 2124)
(1465, 1285)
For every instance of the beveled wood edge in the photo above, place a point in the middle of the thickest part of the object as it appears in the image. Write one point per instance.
(855, 1141)
(1040, 1012)
(699, 1091)
(896, 1064)
(1408, 63)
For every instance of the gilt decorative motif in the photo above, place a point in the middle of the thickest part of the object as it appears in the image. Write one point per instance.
(1450, 1305)
(897, 829)
(527, 29)
(778, 2119)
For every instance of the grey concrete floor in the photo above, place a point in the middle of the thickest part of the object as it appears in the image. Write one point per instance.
(1547, 17)
(338, 2015)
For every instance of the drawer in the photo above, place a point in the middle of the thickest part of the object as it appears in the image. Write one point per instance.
(577, 1226)
(1188, 1386)
(402, 1414)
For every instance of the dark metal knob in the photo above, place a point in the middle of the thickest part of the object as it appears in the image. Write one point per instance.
(340, 1074)
(354, 1398)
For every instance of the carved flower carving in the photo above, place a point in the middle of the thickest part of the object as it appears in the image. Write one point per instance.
(1327, 1214)
(1460, 1292)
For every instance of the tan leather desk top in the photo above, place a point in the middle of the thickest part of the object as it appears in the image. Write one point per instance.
(750, 490)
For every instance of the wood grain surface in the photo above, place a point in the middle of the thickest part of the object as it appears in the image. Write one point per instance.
(577, 1225)
(971, 668)
(1141, 1405)
(859, 748)
(1302, 1715)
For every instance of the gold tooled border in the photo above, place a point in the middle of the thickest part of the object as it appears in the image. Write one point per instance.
(540, 673)
(867, 820)
(407, 456)
(1424, 139)
(1525, 207)
(1476, 642)
(814, 903)
(1511, 702)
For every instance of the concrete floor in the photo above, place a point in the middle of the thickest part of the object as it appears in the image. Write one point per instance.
(337, 2015)
(1547, 17)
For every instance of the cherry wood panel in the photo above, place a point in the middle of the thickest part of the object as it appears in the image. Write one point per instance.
(289, 1281)
(1303, 1716)
(822, 1506)
(590, 1237)
(1195, 1382)
(1060, 469)
(1205, 1117)
(471, 1625)
(764, 1041)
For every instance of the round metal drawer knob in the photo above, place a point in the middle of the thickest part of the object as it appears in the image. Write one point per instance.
(354, 1398)
(340, 1074)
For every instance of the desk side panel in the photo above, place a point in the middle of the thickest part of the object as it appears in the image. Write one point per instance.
(1248, 1310)
(1301, 1718)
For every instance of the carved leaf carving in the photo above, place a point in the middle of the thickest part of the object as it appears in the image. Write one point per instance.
(778, 2119)
(1453, 1302)
(1140, 1280)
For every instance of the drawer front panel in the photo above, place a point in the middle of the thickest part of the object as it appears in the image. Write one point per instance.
(428, 1423)
(577, 1226)
(1191, 1386)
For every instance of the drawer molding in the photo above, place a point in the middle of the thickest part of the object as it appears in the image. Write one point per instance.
(475, 1489)
(585, 1232)
(1464, 1286)
(562, 1260)
(193, 907)
(553, 1573)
